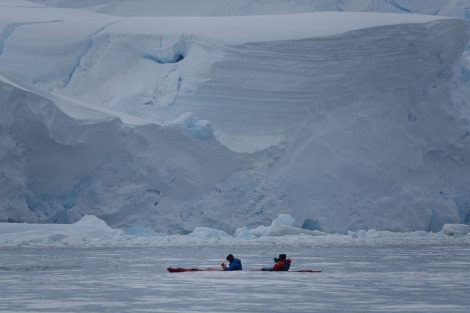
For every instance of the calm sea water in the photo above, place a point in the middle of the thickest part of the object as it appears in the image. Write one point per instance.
(433, 278)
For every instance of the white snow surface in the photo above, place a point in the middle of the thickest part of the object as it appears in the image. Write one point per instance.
(177, 118)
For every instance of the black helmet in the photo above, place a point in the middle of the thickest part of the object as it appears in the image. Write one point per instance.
(282, 256)
(229, 258)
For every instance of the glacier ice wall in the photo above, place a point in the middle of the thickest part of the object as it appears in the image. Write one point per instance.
(57, 168)
(351, 131)
(369, 136)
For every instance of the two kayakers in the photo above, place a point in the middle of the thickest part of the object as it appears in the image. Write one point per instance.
(280, 264)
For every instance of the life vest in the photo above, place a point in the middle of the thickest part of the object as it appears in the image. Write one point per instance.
(282, 265)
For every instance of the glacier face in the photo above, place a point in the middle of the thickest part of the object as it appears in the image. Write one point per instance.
(346, 131)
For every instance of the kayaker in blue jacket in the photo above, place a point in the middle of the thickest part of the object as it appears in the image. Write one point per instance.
(234, 264)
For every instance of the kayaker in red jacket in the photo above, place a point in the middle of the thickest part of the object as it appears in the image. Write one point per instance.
(281, 264)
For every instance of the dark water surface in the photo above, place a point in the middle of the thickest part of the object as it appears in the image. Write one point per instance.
(433, 278)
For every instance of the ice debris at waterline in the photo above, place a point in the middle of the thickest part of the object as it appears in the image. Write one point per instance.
(90, 231)
(455, 229)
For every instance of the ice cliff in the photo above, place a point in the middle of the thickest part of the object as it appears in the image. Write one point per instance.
(342, 120)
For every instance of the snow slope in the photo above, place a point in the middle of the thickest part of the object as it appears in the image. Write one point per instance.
(342, 120)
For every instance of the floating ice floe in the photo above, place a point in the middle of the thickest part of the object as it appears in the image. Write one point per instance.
(455, 229)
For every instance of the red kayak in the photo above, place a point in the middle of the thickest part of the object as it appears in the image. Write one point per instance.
(295, 271)
(211, 269)
(182, 269)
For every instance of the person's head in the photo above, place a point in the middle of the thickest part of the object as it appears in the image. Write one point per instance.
(230, 257)
(282, 257)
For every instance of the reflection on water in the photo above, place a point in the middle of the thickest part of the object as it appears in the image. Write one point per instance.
(354, 279)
